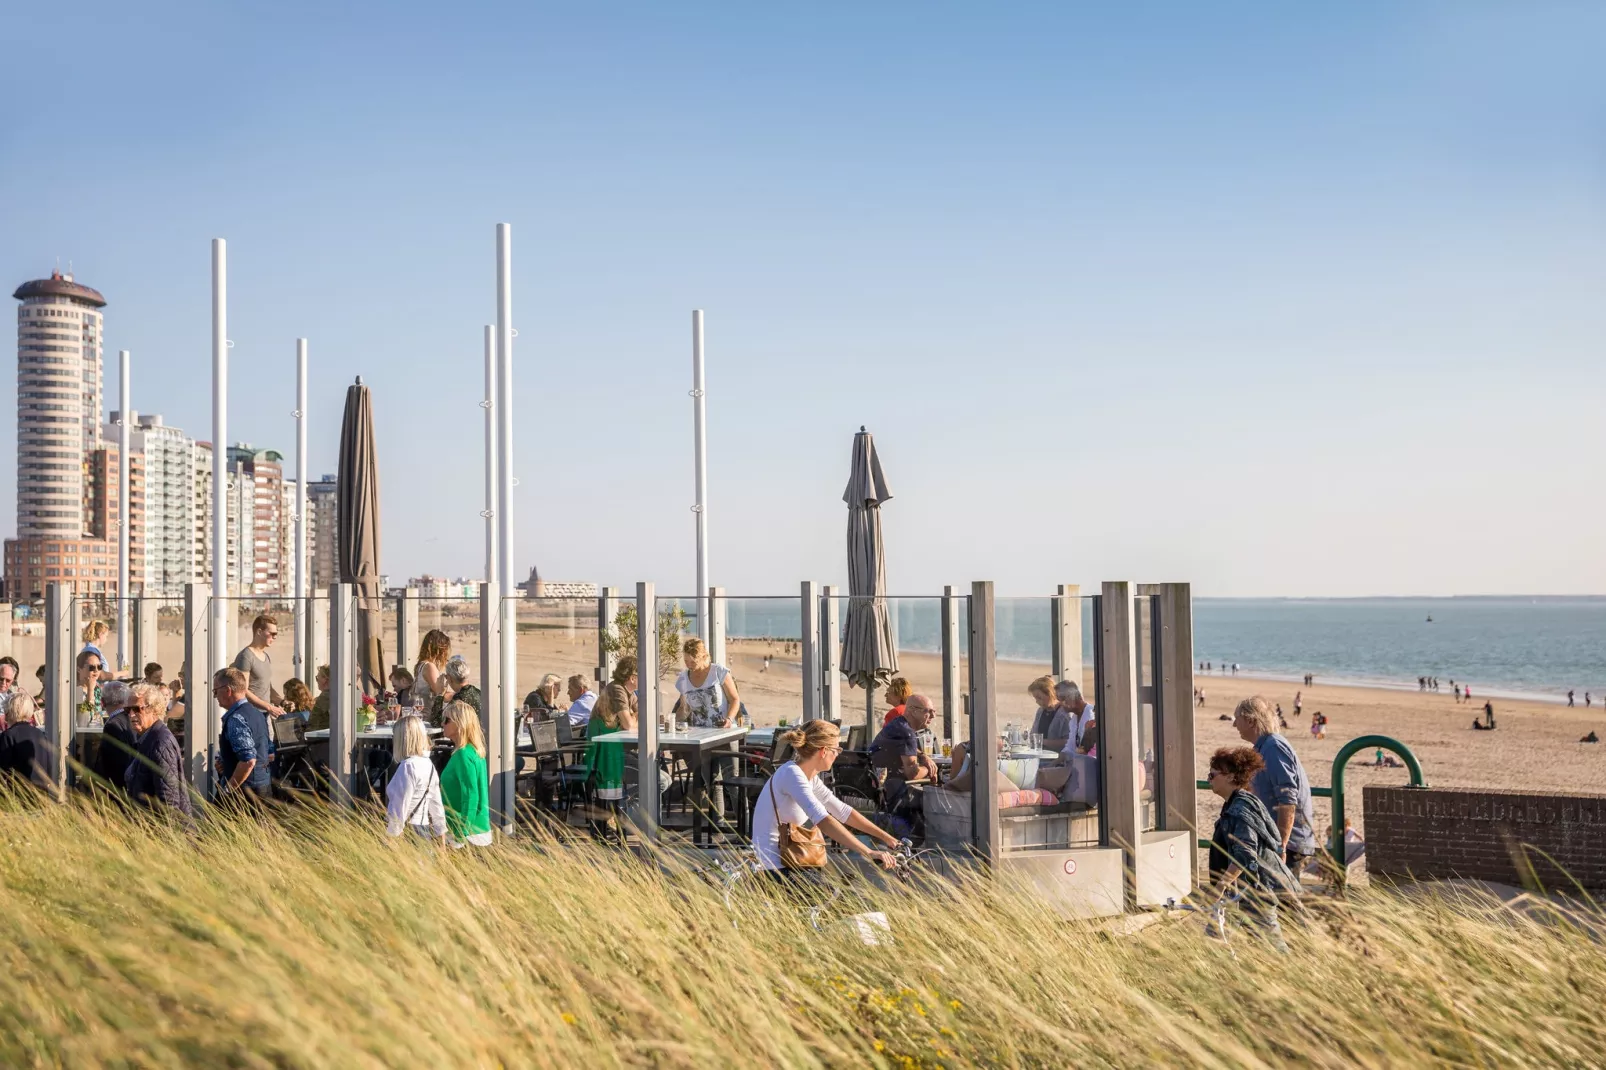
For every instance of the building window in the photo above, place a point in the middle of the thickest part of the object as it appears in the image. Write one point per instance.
(52, 572)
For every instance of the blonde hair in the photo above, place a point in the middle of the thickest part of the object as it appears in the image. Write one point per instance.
(22, 708)
(467, 721)
(436, 648)
(695, 649)
(95, 630)
(1043, 685)
(898, 691)
(409, 739)
(1259, 711)
(811, 737)
(613, 704)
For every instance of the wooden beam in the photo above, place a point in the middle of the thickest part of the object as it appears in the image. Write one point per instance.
(985, 827)
(1118, 728)
(1179, 795)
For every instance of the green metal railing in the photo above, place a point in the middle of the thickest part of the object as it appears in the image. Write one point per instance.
(1335, 840)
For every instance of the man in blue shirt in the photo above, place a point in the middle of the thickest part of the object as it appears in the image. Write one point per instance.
(896, 749)
(243, 741)
(1282, 785)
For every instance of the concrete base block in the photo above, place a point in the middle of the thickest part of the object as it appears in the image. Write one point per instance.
(1164, 870)
(1082, 883)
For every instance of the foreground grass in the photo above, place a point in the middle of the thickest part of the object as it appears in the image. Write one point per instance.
(318, 942)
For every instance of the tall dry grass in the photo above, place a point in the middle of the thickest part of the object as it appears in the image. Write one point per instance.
(316, 941)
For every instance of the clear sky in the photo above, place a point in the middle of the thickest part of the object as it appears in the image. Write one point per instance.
(1279, 299)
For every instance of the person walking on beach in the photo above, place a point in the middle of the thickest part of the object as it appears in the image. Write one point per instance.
(1457, 688)
(1282, 785)
(1298, 703)
(1586, 700)
(1570, 701)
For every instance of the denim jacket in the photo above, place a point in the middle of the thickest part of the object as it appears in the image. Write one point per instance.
(1246, 835)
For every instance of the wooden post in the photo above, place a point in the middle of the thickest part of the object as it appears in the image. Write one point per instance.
(830, 654)
(949, 645)
(1066, 612)
(317, 635)
(1118, 728)
(647, 710)
(146, 622)
(407, 630)
(607, 610)
(718, 625)
(1179, 796)
(493, 704)
(985, 827)
(200, 709)
(345, 691)
(61, 679)
(809, 650)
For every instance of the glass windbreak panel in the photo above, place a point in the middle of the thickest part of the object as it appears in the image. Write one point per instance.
(97, 624)
(1144, 637)
(1024, 644)
(557, 641)
(453, 612)
(259, 639)
(763, 651)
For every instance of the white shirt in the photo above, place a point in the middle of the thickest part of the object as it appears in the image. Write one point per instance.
(1079, 723)
(796, 800)
(706, 706)
(580, 709)
(415, 799)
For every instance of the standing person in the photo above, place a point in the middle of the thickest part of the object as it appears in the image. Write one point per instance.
(898, 692)
(581, 701)
(1570, 697)
(413, 796)
(796, 796)
(94, 632)
(1466, 692)
(709, 699)
(25, 753)
(242, 742)
(257, 665)
(1457, 689)
(1299, 703)
(1587, 703)
(429, 675)
(1201, 696)
(615, 711)
(1488, 714)
(155, 778)
(1246, 864)
(1281, 784)
(466, 780)
(117, 743)
(9, 671)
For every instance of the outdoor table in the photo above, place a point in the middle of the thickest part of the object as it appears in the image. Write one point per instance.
(703, 745)
(378, 734)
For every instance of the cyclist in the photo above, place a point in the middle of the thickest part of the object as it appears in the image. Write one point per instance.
(795, 795)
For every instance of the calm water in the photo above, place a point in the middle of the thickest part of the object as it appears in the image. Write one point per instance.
(1537, 646)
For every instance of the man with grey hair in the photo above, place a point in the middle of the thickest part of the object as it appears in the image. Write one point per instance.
(1081, 719)
(1282, 785)
(117, 744)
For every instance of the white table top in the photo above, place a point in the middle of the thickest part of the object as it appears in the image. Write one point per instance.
(1027, 752)
(690, 737)
(383, 732)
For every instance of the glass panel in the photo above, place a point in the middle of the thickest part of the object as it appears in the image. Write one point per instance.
(557, 637)
(763, 651)
(1148, 714)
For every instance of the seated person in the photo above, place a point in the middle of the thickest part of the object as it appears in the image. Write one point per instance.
(896, 749)
(1053, 722)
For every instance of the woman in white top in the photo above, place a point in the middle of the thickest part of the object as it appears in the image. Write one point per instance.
(796, 794)
(414, 791)
(708, 698)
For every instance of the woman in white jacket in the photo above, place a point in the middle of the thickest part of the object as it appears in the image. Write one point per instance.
(414, 791)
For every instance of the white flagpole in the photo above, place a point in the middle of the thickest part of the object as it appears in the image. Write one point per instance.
(220, 460)
(492, 486)
(700, 422)
(125, 645)
(504, 506)
(303, 589)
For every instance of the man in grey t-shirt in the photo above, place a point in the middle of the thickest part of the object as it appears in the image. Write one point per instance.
(257, 665)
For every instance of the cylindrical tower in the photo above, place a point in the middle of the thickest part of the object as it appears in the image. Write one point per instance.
(59, 381)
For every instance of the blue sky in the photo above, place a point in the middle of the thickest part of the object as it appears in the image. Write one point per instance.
(1275, 299)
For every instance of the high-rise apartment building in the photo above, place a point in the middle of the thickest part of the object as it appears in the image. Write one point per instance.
(322, 532)
(60, 480)
(167, 459)
(257, 520)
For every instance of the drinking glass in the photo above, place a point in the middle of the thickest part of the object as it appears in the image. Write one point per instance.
(1037, 741)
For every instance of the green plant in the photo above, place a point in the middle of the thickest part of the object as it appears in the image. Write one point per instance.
(673, 622)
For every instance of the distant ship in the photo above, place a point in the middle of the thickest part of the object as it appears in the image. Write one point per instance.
(1430, 618)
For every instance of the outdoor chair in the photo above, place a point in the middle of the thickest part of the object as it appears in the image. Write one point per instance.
(855, 741)
(292, 753)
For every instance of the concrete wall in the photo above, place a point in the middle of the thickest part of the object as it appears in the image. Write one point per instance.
(1520, 838)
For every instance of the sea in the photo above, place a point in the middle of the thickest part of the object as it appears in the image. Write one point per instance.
(1529, 647)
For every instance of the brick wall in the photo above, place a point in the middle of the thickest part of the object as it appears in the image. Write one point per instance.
(1502, 836)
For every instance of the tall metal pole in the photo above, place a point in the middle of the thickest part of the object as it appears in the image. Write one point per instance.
(700, 420)
(492, 487)
(504, 505)
(124, 531)
(303, 589)
(220, 458)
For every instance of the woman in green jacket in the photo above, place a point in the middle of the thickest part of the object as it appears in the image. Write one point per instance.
(466, 783)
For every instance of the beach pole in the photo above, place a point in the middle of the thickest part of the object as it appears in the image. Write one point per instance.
(830, 654)
(124, 531)
(718, 626)
(491, 484)
(950, 662)
(504, 510)
(809, 649)
(699, 401)
(299, 564)
(220, 458)
(647, 719)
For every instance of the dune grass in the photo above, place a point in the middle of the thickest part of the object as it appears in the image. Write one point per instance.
(315, 941)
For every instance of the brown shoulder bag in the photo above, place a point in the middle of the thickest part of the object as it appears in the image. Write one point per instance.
(800, 847)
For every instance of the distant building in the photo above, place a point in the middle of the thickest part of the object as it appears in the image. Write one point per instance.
(168, 458)
(322, 533)
(536, 587)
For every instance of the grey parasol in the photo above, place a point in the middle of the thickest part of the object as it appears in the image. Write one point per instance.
(869, 654)
(357, 523)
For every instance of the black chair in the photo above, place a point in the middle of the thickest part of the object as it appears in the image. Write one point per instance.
(292, 754)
